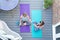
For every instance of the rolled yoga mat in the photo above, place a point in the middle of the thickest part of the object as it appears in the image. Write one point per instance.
(24, 8)
(36, 17)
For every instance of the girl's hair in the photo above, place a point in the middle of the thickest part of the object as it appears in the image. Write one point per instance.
(42, 23)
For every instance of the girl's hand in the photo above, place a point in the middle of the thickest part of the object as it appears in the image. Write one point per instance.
(41, 27)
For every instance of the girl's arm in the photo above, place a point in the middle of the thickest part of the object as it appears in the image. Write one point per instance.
(35, 26)
(41, 26)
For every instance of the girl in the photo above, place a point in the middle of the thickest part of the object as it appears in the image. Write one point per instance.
(38, 26)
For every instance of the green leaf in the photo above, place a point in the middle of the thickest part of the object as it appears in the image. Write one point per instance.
(48, 3)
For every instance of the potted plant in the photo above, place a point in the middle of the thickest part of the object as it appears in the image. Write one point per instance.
(47, 3)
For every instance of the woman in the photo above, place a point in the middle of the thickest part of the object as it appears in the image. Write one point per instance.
(25, 19)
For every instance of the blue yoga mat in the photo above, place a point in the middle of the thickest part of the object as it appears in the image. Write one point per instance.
(36, 17)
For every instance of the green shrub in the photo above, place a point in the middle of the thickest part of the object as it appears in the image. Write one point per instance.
(48, 3)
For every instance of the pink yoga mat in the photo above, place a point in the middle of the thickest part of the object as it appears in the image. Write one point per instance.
(24, 8)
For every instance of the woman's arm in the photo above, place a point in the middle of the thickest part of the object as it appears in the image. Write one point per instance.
(20, 16)
(29, 18)
(20, 20)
